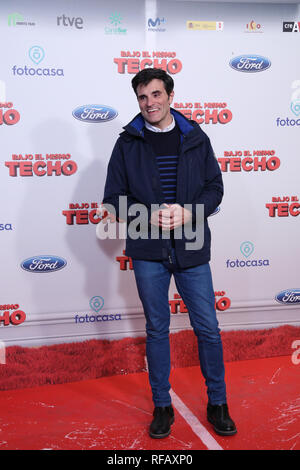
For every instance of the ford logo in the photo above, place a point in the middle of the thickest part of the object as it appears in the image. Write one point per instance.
(94, 113)
(43, 264)
(250, 63)
(289, 296)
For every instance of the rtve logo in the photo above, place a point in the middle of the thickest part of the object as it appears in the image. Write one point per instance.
(67, 21)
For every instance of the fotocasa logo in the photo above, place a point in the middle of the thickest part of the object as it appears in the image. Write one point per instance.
(247, 249)
(37, 54)
(294, 107)
(96, 304)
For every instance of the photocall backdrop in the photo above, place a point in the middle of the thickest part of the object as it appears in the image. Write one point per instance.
(65, 94)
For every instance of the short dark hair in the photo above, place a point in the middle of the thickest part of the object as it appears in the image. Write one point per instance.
(145, 76)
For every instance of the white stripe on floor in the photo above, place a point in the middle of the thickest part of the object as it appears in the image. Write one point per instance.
(195, 424)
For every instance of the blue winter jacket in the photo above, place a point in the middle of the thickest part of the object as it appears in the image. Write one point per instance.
(133, 171)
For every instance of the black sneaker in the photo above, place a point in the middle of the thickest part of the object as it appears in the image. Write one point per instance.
(161, 424)
(218, 416)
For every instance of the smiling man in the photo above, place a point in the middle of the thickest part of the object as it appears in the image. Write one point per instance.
(154, 103)
(164, 159)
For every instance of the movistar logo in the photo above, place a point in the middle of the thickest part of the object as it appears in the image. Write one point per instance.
(156, 24)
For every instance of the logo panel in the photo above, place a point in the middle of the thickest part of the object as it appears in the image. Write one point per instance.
(43, 264)
(289, 296)
(249, 63)
(94, 113)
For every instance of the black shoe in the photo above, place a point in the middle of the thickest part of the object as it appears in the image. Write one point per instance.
(218, 416)
(161, 424)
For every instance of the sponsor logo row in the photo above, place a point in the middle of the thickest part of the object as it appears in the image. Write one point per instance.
(114, 24)
(246, 249)
(132, 62)
(222, 302)
(208, 113)
(50, 263)
(233, 161)
(88, 213)
(85, 213)
(202, 112)
(13, 315)
(251, 27)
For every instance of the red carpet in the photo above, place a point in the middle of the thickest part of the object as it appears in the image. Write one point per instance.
(115, 412)
(69, 362)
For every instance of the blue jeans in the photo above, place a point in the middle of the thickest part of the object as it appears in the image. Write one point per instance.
(196, 289)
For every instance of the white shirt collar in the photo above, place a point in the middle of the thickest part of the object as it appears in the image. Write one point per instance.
(157, 129)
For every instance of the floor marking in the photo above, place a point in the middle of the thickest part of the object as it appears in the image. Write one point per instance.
(195, 424)
(275, 375)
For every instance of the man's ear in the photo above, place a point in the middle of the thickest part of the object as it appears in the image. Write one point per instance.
(171, 96)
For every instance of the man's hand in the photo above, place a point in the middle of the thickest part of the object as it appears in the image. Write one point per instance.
(171, 217)
(106, 216)
(179, 216)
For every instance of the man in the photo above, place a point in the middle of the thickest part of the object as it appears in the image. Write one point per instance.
(164, 159)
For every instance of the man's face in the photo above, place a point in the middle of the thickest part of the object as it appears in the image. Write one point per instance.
(154, 103)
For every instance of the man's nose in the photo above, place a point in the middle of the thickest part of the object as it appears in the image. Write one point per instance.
(150, 101)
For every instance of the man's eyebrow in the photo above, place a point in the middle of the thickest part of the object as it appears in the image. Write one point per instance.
(152, 93)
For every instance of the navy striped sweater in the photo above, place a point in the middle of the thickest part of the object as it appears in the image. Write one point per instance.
(166, 148)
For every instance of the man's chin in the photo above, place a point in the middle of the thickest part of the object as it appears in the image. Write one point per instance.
(152, 118)
(154, 122)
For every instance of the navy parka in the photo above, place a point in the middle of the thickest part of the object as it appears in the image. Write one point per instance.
(133, 172)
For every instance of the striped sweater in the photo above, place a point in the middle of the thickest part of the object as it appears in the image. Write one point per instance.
(166, 148)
